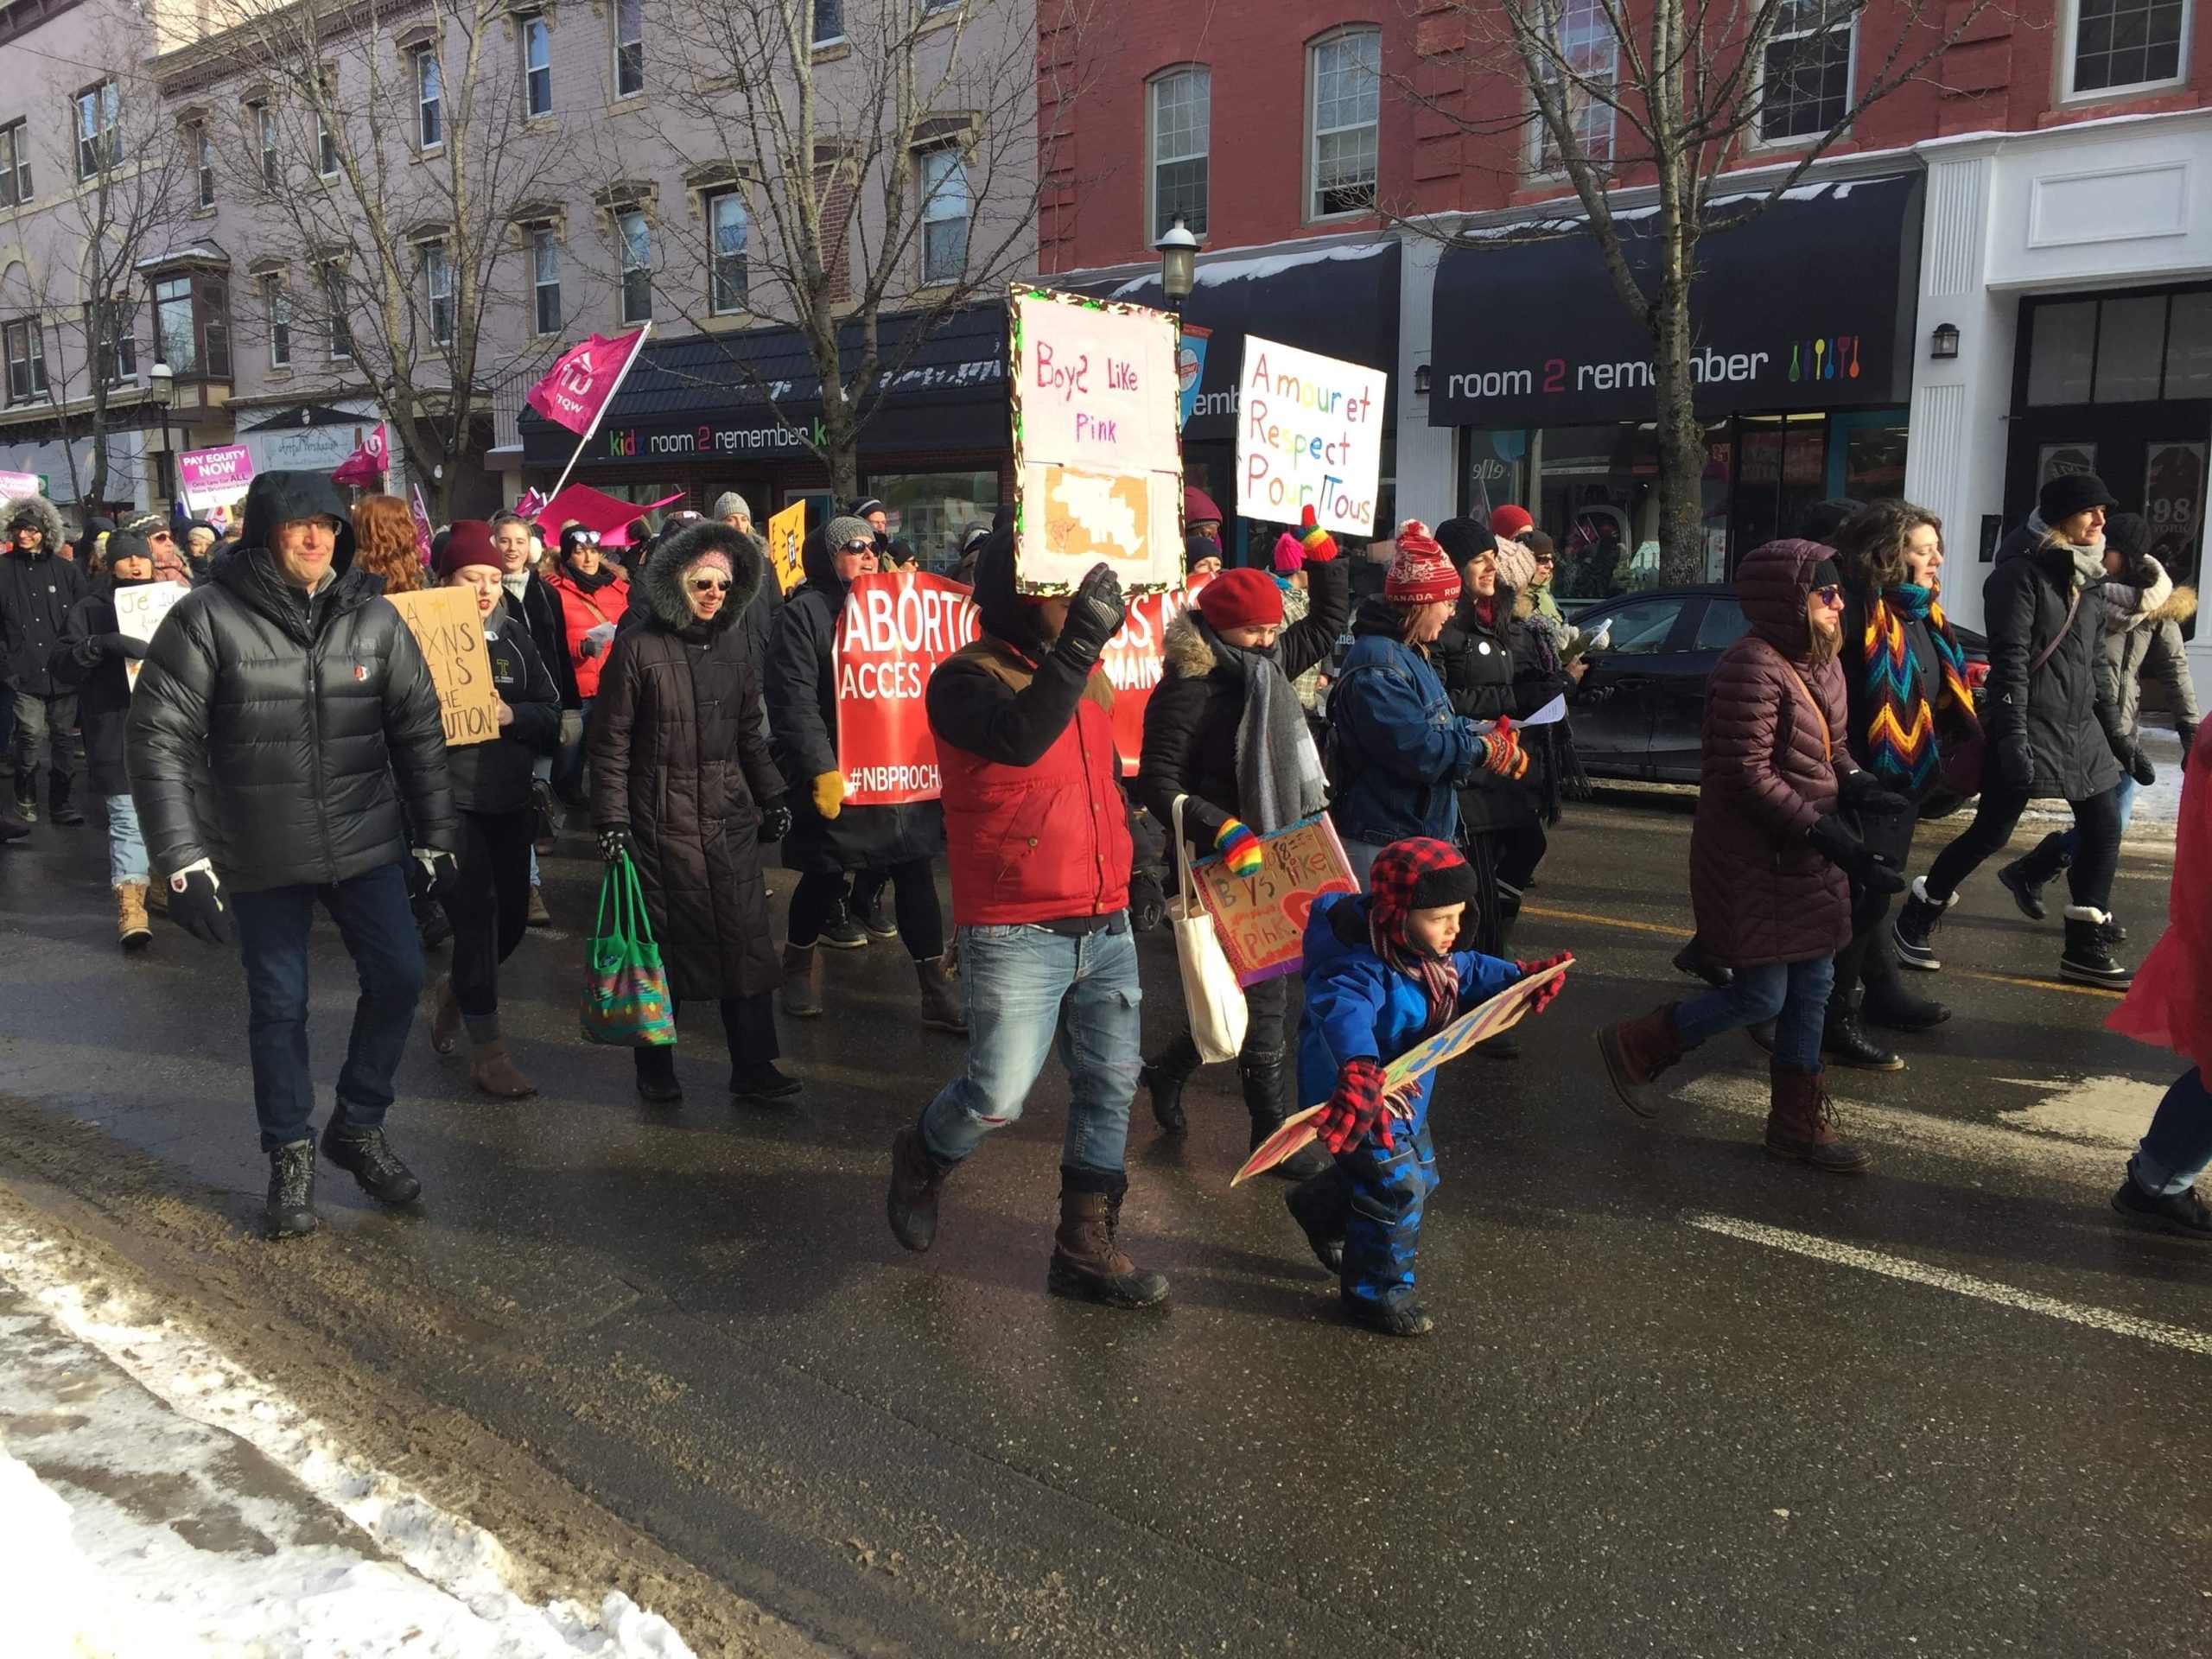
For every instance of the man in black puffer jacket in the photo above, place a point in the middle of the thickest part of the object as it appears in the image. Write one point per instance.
(285, 745)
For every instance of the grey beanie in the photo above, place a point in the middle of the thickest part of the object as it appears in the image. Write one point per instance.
(730, 501)
(845, 529)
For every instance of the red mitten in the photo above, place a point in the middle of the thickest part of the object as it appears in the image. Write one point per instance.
(1543, 998)
(1502, 753)
(1355, 1110)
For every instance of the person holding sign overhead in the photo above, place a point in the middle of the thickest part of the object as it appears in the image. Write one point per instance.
(1223, 727)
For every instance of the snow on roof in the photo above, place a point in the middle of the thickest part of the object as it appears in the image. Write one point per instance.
(1260, 266)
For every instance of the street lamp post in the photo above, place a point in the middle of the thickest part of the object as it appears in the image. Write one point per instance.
(161, 380)
(1178, 263)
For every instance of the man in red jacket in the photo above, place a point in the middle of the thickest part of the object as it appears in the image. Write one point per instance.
(1039, 844)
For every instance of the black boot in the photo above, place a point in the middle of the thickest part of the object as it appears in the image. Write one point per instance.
(2025, 877)
(762, 1084)
(27, 796)
(1322, 1209)
(2087, 959)
(291, 1210)
(1691, 960)
(1887, 1003)
(368, 1157)
(2185, 730)
(57, 803)
(1845, 1041)
(656, 1070)
(1262, 1076)
(916, 1180)
(1913, 933)
(1165, 1077)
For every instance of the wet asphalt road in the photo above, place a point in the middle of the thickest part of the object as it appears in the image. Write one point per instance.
(1631, 1433)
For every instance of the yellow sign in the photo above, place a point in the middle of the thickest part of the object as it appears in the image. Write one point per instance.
(787, 531)
(450, 635)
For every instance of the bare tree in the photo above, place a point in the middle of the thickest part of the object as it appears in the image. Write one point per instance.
(841, 161)
(1671, 94)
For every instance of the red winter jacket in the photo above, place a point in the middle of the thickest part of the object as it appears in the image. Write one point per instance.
(1047, 841)
(580, 612)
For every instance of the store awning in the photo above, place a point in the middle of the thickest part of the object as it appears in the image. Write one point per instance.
(1341, 301)
(1808, 307)
(736, 397)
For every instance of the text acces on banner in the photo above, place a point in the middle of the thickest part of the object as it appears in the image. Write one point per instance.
(786, 535)
(1309, 433)
(1262, 918)
(896, 627)
(450, 635)
(1097, 465)
(214, 478)
(138, 611)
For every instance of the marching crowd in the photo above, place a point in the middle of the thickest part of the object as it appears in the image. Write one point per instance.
(278, 744)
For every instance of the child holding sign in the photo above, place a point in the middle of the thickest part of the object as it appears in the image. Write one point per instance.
(1382, 975)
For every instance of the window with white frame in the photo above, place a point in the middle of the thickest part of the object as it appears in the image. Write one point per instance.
(203, 158)
(629, 47)
(325, 147)
(545, 279)
(215, 327)
(829, 21)
(2119, 45)
(537, 67)
(429, 100)
(337, 311)
(1583, 65)
(1182, 121)
(99, 130)
(276, 308)
(1345, 71)
(437, 289)
(175, 335)
(1805, 81)
(635, 233)
(26, 353)
(946, 207)
(15, 163)
(727, 227)
(265, 135)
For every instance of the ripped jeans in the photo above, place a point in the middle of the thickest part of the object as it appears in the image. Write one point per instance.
(1029, 990)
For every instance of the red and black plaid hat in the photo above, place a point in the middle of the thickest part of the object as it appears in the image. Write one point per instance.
(1418, 874)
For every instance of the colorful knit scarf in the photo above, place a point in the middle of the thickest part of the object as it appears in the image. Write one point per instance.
(1901, 737)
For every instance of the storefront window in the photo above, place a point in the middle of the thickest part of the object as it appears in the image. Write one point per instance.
(927, 510)
(2064, 351)
(2130, 350)
(2188, 347)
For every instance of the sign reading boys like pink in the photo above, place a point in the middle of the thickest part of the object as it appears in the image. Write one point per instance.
(214, 478)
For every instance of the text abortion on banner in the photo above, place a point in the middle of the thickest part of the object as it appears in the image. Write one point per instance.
(214, 478)
(450, 635)
(1262, 918)
(1098, 463)
(138, 613)
(896, 627)
(1309, 433)
(1133, 660)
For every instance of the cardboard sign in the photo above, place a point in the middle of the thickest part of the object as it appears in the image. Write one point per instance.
(896, 627)
(450, 633)
(1309, 432)
(1262, 918)
(786, 533)
(138, 613)
(1097, 463)
(214, 478)
(1134, 662)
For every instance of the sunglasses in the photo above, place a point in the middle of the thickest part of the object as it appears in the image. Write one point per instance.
(583, 538)
(1831, 595)
(699, 584)
(858, 547)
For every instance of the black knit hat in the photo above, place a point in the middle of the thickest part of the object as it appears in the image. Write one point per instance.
(2128, 534)
(128, 544)
(2072, 493)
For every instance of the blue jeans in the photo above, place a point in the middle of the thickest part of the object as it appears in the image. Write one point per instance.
(126, 848)
(378, 925)
(2177, 1148)
(1028, 988)
(1794, 995)
(568, 764)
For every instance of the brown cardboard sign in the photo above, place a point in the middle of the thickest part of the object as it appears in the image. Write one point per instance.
(450, 635)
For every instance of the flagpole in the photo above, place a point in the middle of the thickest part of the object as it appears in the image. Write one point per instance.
(638, 351)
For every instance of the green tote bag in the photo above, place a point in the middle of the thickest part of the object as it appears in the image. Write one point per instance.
(626, 991)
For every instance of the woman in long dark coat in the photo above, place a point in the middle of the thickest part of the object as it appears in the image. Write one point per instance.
(681, 779)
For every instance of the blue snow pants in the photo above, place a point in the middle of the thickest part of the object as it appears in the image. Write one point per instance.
(1374, 1197)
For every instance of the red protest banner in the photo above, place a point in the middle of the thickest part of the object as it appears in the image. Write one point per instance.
(1132, 659)
(896, 627)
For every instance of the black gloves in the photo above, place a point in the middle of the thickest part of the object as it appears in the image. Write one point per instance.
(431, 873)
(1094, 616)
(120, 645)
(1832, 838)
(776, 822)
(2010, 763)
(2139, 765)
(1865, 793)
(1147, 897)
(614, 839)
(196, 904)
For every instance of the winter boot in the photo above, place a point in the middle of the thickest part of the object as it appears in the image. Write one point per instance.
(1801, 1123)
(1165, 1077)
(1088, 1264)
(2087, 959)
(1262, 1076)
(2023, 878)
(132, 931)
(842, 933)
(536, 915)
(763, 1084)
(916, 1179)
(942, 1006)
(1887, 1003)
(11, 827)
(655, 1074)
(58, 804)
(1321, 1211)
(157, 894)
(27, 796)
(445, 1017)
(1845, 1041)
(1636, 1052)
(874, 916)
(290, 1208)
(492, 1071)
(1403, 1318)
(368, 1157)
(802, 981)
(1914, 930)
(2182, 1213)
(1691, 960)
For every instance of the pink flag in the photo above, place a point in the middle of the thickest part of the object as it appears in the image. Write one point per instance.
(576, 393)
(530, 505)
(594, 509)
(421, 511)
(365, 468)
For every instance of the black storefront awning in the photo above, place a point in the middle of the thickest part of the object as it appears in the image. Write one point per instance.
(1808, 307)
(735, 397)
(1340, 301)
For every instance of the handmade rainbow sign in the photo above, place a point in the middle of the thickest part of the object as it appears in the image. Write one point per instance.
(1097, 465)
(1309, 432)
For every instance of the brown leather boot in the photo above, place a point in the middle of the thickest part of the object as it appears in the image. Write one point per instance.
(1636, 1052)
(1088, 1265)
(916, 1179)
(1801, 1123)
(803, 981)
(132, 931)
(157, 897)
(941, 1008)
(495, 1074)
(445, 1020)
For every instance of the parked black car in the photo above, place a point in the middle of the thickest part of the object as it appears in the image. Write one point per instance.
(1640, 707)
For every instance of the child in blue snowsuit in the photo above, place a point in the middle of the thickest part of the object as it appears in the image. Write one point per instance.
(1380, 976)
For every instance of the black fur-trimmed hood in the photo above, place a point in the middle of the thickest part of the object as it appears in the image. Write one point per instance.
(662, 577)
(39, 508)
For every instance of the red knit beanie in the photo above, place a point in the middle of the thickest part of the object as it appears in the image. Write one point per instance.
(1421, 574)
(1509, 521)
(469, 542)
(1242, 598)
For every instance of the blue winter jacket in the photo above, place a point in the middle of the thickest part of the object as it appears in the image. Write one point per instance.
(1356, 1004)
(1395, 747)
